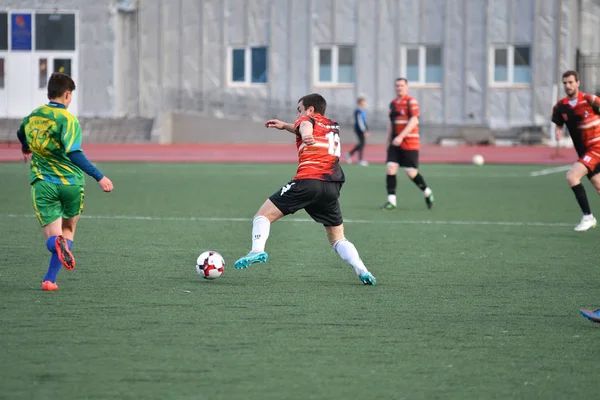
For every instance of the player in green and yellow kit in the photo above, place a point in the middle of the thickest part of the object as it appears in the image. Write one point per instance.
(51, 136)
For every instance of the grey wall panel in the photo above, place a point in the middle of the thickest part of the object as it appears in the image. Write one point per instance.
(191, 45)
(522, 21)
(301, 62)
(127, 76)
(453, 61)
(214, 50)
(499, 21)
(280, 56)
(387, 69)
(150, 25)
(476, 71)
(257, 22)
(408, 22)
(499, 108)
(345, 21)
(237, 21)
(366, 52)
(322, 21)
(519, 103)
(172, 53)
(433, 21)
(544, 61)
(431, 102)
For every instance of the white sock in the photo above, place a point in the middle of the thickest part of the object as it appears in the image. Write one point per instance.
(588, 216)
(260, 233)
(392, 199)
(348, 252)
(427, 192)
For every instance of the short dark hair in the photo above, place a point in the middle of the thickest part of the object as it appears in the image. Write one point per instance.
(360, 100)
(571, 73)
(402, 79)
(58, 84)
(314, 100)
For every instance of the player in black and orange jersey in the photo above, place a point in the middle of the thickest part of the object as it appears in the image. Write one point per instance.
(579, 112)
(403, 146)
(315, 187)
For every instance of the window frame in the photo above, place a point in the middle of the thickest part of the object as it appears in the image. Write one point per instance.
(510, 61)
(422, 48)
(247, 66)
(335, 65)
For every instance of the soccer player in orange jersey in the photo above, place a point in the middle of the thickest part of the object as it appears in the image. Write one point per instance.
(315, 187)
(579, 112)
(403, 146)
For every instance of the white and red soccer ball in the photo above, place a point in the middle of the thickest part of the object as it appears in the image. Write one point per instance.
(210, 265)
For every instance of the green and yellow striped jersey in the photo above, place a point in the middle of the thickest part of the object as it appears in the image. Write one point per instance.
(52, 133)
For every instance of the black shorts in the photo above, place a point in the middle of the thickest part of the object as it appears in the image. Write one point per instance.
(318, 198)
(596, 171)
(404, 158)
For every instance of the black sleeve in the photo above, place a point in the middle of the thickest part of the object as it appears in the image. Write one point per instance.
(557, 116)
(22, 138)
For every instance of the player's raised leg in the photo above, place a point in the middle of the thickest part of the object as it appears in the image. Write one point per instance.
(391, 183)
(414, 175)
(574, 175)
(348, 253)
(261, 227)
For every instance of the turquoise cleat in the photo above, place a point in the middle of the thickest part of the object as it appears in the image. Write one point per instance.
(368, 278)
(250, 259)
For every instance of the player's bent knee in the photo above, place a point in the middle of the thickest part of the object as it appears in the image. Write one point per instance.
(269, 211)
(334, 234)
(391, 168)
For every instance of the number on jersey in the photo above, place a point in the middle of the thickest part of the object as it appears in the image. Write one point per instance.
(335, 148)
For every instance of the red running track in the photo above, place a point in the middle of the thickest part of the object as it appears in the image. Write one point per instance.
(284, 153)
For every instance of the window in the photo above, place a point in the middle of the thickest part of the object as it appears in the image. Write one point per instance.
(249, 65)
(43, 73)
(422, 65)
(55, 31)
(334, 65)
(1, 73)
(3, 31)
(510, 65)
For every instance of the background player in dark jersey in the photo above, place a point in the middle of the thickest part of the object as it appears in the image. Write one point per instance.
(403, 146)
(362, 132)
(578, 112)
(315, 187)
(51, 135)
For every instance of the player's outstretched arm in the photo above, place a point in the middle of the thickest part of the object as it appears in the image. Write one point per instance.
(593, 100)
(277, 124)
(306, 133)
(79, 159)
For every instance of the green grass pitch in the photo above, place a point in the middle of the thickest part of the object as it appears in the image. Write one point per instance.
(476, 299)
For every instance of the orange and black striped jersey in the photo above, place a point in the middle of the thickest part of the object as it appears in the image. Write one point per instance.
(321, 160)
(401, 110)
(582, 119)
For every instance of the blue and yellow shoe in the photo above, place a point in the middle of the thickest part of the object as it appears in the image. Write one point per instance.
(250, 259)
(591, 315)
(367, 278)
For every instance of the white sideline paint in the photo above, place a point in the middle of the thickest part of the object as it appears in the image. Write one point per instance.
(549, 171)
(350, 221)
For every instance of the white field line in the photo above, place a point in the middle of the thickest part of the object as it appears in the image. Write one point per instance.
(549, 171)
(349, 221)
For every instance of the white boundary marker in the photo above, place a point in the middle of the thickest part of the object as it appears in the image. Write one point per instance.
(350, 221)
(549, 171)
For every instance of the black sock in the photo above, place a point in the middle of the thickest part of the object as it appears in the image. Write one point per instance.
(420, 182)
(390, 181)
(582, 199)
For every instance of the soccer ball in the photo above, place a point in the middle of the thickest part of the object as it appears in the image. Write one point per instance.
(478, 159)
(210, 265)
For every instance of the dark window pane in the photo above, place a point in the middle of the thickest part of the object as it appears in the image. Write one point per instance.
(1, 73)
(62, 65)
(346, 64)
(325, 68)
(3, 31)
(238, 65)
(259, 64)
(43, 73)
(522, 55)
(501, 57)
(55, 32)
(412, 65)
